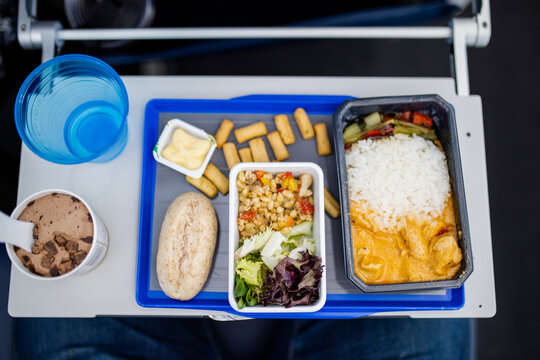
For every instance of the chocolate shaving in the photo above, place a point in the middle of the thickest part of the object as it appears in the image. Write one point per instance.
(16, 248)
(35, 249)
(30, 203)
(54, 271)
(87, 239)
(31, 268)
(66, 267)
(75, 199)
(60, 240)
(90, 218)
(78, 257)
(35, 232)
(50, 248)
(40, 217)
(25, 259)
(72, 246)
(47, 261)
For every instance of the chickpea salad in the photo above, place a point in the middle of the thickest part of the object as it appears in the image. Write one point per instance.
(276, 261)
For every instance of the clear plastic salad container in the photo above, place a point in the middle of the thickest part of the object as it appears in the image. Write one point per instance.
(317, 187)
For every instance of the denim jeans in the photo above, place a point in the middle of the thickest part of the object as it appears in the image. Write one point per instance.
(160, 338)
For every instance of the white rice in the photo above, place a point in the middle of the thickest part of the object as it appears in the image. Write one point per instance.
(397, 177)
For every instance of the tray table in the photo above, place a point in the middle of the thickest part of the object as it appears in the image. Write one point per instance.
(114, 190)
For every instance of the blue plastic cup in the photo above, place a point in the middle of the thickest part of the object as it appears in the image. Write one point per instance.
(73, 109)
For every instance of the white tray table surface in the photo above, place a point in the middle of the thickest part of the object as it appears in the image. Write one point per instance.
(113, 190)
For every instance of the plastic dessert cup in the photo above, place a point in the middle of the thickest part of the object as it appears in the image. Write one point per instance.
(96, 254)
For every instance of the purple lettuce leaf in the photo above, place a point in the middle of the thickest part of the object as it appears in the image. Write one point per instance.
(293, 282)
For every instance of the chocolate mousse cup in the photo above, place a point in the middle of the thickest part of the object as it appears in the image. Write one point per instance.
(95, 254)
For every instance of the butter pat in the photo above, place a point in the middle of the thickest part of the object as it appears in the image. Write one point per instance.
(186, 150)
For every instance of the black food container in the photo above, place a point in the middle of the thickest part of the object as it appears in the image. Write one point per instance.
(444, 120)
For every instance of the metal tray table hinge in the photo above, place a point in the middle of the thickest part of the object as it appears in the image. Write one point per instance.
(471, 32)
(462, 33)
(34, 34)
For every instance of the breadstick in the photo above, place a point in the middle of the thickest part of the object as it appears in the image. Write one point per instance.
(223, 132)
(284, 128)
(302, 120)
(323, 143)
(250, 132)
(217, 178)
(204, 185)
(231, 155)
(280, 151)
(258, 150)
(245, 155)
(330, 204)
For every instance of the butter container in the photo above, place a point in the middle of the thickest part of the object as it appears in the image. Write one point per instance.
(445, 126)
(166, 137)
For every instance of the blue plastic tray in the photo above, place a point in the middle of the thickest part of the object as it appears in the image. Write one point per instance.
(160, 185)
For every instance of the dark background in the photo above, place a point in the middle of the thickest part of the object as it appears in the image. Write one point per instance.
(505, 74)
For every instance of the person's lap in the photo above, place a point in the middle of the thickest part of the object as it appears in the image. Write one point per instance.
(114, 338)
(157, 338)
(398, 338)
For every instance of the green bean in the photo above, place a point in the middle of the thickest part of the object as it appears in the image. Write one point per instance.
(421, 129)
(428, 134)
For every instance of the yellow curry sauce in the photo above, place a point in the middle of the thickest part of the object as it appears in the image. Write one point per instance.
(420, 251)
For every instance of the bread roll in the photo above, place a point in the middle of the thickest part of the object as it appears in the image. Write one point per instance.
(186, 245)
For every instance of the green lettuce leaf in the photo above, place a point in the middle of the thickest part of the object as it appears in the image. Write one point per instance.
(256, 242)
(304, 228)
(250, 271)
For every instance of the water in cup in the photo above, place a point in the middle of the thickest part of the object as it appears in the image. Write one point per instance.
(92, 127)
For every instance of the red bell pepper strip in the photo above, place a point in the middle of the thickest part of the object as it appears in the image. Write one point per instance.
(422, 119)
(259, 174)
(280, 190)
(306, 206)
(248, 215)
(428, 122)
(287, 175)
(372, 133)
(407, 116)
